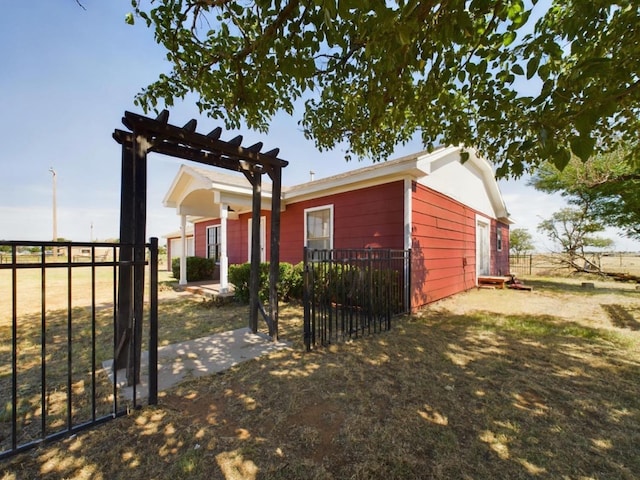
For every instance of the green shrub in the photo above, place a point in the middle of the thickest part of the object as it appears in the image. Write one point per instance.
(198, 268)
(240, 275)
(289, 285)
(291, 281)
(372, 289)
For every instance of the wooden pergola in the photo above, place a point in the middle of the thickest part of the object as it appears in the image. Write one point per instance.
(147, 135)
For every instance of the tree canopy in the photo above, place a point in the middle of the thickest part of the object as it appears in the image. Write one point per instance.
(523, 82)
(606, 186)
(520, 241)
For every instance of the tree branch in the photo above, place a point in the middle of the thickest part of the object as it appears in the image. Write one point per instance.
(620, 178)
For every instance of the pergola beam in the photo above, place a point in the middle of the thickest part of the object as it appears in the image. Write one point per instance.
(175, 134)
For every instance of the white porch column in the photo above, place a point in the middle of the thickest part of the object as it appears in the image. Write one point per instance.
(183, 254)
(224, 260)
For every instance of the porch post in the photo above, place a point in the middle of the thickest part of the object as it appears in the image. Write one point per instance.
(183, 254)
(224, 260)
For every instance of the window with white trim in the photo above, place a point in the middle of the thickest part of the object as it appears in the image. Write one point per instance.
(318, 227)
(499, 238)
(213, 242)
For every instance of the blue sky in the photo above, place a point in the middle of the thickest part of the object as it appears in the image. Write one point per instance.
(68, 74)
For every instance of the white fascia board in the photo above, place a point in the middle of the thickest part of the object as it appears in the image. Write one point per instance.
(427, 160)
(240, 201)
(169, 200)
(378, 174)
(225, 187)
(178, 233)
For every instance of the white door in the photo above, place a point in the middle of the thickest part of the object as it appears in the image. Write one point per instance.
(483, 250)
(263, 239)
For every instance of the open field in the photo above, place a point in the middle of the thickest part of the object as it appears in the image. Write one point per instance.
(548, 264)
(486, 384)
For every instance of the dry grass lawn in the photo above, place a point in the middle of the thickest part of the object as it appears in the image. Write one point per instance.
(489, 384)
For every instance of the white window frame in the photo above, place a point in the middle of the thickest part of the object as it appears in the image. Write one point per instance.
(208, 249)
(315, 209)
(498, 237)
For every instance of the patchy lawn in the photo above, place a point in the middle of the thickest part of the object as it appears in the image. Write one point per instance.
(486, 384)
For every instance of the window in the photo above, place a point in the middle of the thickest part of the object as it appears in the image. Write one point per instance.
(213, 242)
(318, 227)
(499, 238)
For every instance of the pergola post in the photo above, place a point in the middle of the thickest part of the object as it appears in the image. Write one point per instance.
(133, 208)
(254, 280)
(274, 255)
(125, 282)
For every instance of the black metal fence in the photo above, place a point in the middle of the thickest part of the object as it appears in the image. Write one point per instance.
(353, 292)
(521, 264)
(58, 313)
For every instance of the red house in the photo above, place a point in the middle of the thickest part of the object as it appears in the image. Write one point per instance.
(450, 213)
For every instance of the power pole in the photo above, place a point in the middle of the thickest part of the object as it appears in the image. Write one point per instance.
(55, 212)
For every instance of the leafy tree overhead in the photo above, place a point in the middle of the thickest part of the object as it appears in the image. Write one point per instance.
(520, 241)
(606, 184)
(521, 88)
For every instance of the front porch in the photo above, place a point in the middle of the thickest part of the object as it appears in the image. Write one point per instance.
(209, 289)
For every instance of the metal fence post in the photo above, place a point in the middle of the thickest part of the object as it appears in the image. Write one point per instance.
(153, 322)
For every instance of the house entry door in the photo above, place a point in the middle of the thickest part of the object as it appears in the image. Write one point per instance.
(483, 252)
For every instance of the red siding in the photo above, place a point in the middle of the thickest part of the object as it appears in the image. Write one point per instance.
(443, 235)
(238, 246)
(237, 239)
(444, 246)
(200, 237)
(236, 235)
(369, 217)
(499, 259)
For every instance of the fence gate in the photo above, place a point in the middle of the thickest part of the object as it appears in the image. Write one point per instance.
(521, 264)
(353, 292)
(58, 315)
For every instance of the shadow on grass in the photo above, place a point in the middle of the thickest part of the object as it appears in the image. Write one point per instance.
(74, 345)
(575, 286)
(445, 396)
(621, 317)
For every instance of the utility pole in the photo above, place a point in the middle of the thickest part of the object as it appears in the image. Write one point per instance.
(55, 212)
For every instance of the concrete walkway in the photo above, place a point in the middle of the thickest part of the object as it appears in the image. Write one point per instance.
(195, 358)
